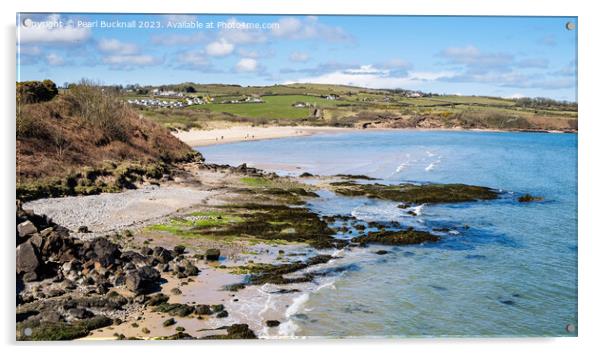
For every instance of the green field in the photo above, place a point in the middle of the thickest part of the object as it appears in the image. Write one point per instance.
(359, 107)
(274, 107)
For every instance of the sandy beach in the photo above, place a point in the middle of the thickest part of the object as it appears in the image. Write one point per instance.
(197, 137)
(238, 133)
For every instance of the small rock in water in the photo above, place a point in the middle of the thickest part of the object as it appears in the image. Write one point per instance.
(212, 254)
(438, 287)
(381, 252)
(474, 256)
(83, 229)
(272, 323)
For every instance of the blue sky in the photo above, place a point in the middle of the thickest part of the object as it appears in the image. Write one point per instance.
(496, 56)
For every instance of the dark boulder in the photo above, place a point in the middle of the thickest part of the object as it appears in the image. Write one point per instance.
(217, 308)
(106, 251)
(202, 310)
(53, 244)
(28, 261)
(169, 322)
(212, 254)
(83, 229)
(272, 323)
(134, 257)
(157, 299)
(240, 331)
(528, 198)
(143, 279)
(179, 249)
(162, 255)
(191, 270)
(80, 313)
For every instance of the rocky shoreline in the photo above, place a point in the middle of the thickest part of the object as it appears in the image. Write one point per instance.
(137, 265)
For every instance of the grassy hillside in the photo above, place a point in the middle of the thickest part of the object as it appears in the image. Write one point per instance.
(359, 107)
(86, 141)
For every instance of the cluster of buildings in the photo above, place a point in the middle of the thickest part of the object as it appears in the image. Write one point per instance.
(249, 99)
(167, 93)
(153, 102)
(302, 104)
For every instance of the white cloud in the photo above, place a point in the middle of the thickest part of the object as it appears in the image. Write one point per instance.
(178, 18)
(116, 46)
(53, 29)
(194, 59)
(239, 32)
(373, 77)
(287, 27)
(515, 96)
(54, 59)
(129, 60)
(474, 59)
(27, 50)
(248, 53)
(366, 69)
(178, 39)
(397, 64)
(246, 65)
(299, 57)
(308, 28)
(219, 48)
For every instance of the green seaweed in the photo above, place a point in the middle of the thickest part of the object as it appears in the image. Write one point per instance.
(255, 223)
(41, 331)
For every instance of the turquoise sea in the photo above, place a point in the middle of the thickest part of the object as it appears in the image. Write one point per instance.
(504, 269)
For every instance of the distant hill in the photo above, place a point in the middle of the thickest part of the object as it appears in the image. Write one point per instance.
(350, 106)
(85, 141)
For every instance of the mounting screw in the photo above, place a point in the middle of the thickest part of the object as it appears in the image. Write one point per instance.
(570, 26)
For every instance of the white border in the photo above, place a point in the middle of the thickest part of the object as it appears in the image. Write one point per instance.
(589, 170)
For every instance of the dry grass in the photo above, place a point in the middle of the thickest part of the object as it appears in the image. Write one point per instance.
(86, 126)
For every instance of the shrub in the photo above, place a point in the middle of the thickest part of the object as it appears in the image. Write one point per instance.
(100, 108)
(36, 91)
(28, 126)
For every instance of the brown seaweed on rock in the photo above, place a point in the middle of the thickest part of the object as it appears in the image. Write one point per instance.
(264, 273)
(417, 194)
(393, 238)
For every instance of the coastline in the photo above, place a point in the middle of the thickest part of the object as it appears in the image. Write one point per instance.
(136, 211)
(196, 194)
(241, 133)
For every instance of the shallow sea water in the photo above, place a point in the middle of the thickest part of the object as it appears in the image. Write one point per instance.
(505, 269)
